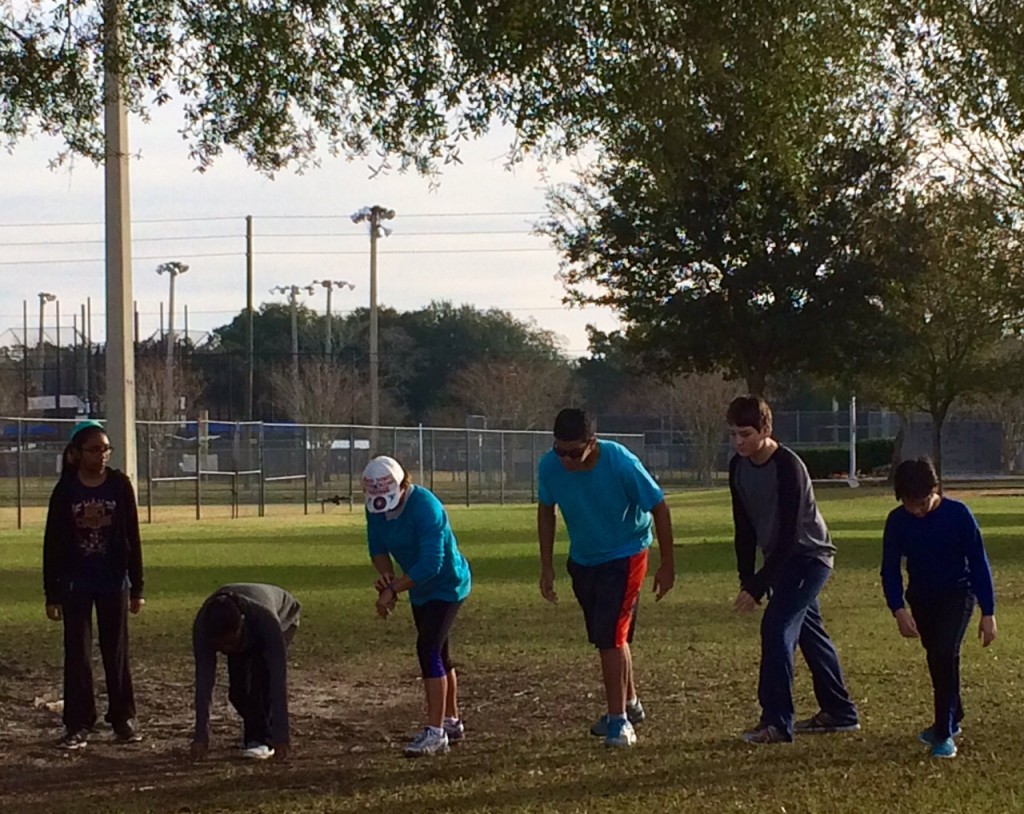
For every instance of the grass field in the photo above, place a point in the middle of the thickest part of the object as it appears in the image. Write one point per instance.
(530, 683)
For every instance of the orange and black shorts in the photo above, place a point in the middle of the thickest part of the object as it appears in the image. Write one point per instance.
(609, 594)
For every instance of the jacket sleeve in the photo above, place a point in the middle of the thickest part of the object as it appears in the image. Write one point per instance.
(53, 548)
(206, 674)
(745, 539)
(792, 483)
(431, 526)
(133, 539)
(892, 565)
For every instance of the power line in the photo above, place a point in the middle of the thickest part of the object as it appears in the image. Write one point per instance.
(194, 255)
(279, 236)
(50, 224)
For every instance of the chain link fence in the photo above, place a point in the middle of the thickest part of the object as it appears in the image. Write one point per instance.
(233, 469)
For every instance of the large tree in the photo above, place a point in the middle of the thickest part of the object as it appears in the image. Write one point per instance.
(950, 312)
(400, 78)
(721, 219)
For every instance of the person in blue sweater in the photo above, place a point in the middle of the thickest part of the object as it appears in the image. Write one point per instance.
(948, 571)
(408, 523)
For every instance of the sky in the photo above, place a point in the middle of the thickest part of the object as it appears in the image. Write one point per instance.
(467, 239)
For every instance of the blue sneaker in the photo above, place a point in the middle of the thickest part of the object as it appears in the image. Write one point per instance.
(620, 733)
(945, 749)
(634, 712)
(927, 736)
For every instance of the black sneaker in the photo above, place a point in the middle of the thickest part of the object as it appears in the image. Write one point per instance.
(74, 740)
(765, 735)
(823, 723)
(126, 732)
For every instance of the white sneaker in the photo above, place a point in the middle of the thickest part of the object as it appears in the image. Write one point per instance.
(257, 751)
(428, 742)
(454, 729)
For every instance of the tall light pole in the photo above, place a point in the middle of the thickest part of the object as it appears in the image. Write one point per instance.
(119, 394)
(330, 285)
(172, 270)
(293, 303)
(44, 297)
(374, 215)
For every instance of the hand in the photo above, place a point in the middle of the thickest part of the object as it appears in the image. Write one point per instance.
(386, 602)
(383, 581)
(987, 630)
(135, 605)
(54, 613)
(547, 584)
(664, 579)
(906, 624)
(281, 750)
(198, 750)
(744, 603)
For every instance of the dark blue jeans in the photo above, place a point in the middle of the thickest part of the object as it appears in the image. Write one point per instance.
(942, 621)
(793, 617)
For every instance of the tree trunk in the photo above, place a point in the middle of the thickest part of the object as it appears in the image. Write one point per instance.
(938, 419)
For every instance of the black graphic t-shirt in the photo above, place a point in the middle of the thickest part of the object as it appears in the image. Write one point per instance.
(92, 512)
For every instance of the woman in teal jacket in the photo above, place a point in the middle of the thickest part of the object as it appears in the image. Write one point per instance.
(407, 524)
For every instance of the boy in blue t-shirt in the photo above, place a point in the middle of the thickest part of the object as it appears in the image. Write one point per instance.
(948, 571)
(609, 503)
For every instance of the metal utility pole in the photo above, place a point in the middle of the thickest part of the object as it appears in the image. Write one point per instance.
(374, 215)
(172, 270)
(250, 362)
(44, 297)
(330, 285)
(119, 399)
(293, 302)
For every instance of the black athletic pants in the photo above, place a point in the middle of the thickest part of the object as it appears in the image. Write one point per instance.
(112, 622)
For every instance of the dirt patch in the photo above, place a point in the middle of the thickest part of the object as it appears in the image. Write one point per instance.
(336, 725)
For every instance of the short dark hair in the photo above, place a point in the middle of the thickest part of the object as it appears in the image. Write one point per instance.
(574, 424)
(914, 480)
(750, 411)
(223, 616)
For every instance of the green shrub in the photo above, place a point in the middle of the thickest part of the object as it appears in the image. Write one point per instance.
(829, 462)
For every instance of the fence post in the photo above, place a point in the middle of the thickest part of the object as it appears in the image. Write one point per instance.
(533, 467)
(351, 467)
(202, 431)
(262, 510)
(236, 449)
(422, 480)
(433, 458)
(305, 469)
(149, 474)
(467, 465)
(501, 471)
(21, 470)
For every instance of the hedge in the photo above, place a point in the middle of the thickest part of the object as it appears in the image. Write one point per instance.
(829, 462)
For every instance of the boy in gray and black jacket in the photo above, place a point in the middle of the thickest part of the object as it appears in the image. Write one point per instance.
(774, 510)
(252, 624)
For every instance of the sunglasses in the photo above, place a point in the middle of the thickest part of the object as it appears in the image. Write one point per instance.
(573, 454)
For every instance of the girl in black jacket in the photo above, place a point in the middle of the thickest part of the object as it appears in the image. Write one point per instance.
(92, 555)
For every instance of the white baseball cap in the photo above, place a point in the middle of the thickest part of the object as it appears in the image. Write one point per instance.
(382, 484)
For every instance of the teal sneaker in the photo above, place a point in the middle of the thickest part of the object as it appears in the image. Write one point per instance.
(634, 713)
(620, 733)
(927, 736)
(945, 749)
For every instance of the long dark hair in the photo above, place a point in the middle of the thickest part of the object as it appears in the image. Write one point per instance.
(73, 451)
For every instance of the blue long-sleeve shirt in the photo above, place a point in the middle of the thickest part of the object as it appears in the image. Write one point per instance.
(944, 552)
(420, 538)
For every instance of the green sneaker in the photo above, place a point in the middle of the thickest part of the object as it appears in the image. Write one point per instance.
(945, 749)
(620, 734)
(927, 736)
